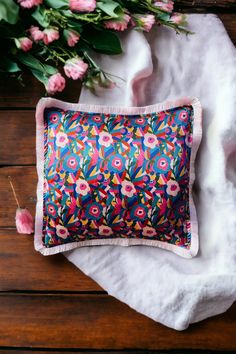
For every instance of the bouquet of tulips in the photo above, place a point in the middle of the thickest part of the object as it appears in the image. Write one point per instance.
(55, 39)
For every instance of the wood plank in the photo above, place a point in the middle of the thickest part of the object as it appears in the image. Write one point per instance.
(229, 22)
(17, 137)
(205, 5)
(22, 268)
(101, 322)
(45, 351)
(12, 94)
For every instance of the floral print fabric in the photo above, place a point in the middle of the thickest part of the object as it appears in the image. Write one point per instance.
(109, 176)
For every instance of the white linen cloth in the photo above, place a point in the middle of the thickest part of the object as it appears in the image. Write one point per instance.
(159, 66)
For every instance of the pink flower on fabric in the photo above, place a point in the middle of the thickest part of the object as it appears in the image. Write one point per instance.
(189, 140)
(45, 186)
(82, 5)
(183, 116)
(75, 68)
(178, 19)
(72, 37)
(139, 212)
(94, 211)
(105, 230)
(54, 118)
(97, 119)
(56, 83)
(187, 226)
(119, 24)
(149, 231)
(29, 3)
(82, 187)
(52, 209)
(150, 140)
(61, 231)
(167, 6)
(24, 44)
(36, 33)
(162, 164)
(61, 139)
(145, 21)
(172, 188)
(50, 35)
(128, 188)
(105, 139)
(71, 162)
(116, 163)
(140, 121)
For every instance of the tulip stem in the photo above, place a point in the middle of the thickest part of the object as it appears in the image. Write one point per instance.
(14, 192)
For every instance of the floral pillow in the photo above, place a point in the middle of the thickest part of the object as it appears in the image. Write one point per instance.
(116, 176)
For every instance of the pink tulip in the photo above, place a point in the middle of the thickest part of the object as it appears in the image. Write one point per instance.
(36, 33)
(24, 43)
(165, 6)
(56, 83)
(82, 5)
(24, 221)
(50, 35)
(72, 37)
(120, 24)
(75, 68)
(29, 3)
(178, 19)
(145, 21)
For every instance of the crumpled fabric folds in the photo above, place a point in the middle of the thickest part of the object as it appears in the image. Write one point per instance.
(159, 66)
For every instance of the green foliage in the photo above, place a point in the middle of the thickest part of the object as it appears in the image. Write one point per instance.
(40, 15)
(110, 7)
(45, 60)
(75, 25)
(40, 76)
(57, 4)
(9, 11)
(34, 64)
(103, 41)
(7, 65)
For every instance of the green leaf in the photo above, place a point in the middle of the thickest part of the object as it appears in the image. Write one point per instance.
(75, 26)
(109, 7)
(164, 16)
(7, 65)
(102, 41)
(30, 61)
(57, 4)
(40, 76)
(34, 64)
(40, 16)
(9, 11)
(50, 69)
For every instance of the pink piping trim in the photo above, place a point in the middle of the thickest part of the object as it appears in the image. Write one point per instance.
(197, 134)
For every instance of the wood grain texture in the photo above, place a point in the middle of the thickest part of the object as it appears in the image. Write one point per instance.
(101, 322)
(22, 268)
(205, 5)
(17, 138)
(229, 22)
(64, 351)
(45, 351)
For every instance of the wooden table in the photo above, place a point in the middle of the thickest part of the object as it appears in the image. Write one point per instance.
(48, 305)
